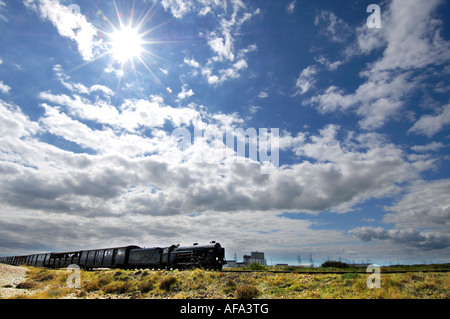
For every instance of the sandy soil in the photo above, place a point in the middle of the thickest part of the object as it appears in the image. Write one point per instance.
(10, 277)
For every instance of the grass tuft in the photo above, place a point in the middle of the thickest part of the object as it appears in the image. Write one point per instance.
(246, 292)
(168, 283)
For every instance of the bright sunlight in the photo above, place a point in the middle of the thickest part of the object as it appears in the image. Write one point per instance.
(126, 44)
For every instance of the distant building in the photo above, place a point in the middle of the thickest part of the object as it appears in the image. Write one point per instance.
(257, 257)
(254, 257)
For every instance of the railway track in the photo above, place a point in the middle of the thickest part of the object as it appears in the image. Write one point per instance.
(319, 272)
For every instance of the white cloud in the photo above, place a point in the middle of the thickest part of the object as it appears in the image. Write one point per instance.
(290, 8)
(121, 177)
(407, 237)
(14, 124)
(411, 40)
(192, 62)
(242, 52)
(431, 124)
(263, 95)
(306, 80)
(178, 8)
(332, 26)
(131, 115)
(253, 109)
(421, 218)
(224, 74)
(69, 24)
(79, 87)
(377, 100)
(226, 61)
(331, 66)
(434, 147)
(185, 93)
(426, 205)
(338, 176)
(2, 8)
(222, 45)
(4, 88)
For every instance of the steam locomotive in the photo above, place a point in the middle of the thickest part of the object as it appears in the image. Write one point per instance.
(211, 256)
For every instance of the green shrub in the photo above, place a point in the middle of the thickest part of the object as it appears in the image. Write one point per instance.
(230, 286)
(145, 286)
(335, 264)
(168, 283)
(246, 292)
(27, 285)
(256, 266)
(117, 287)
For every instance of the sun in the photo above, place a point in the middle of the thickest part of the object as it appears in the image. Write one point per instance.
(130, 41)
(126, 44)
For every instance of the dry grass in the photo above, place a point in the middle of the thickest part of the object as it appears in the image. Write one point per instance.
(48, 284)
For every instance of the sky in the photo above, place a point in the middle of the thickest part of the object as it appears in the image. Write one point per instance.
(289, 127)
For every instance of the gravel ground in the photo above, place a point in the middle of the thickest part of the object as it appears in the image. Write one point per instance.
(10, 277)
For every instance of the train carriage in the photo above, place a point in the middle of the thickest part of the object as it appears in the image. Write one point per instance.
(116, 257)
(210, 256)
(146, 257)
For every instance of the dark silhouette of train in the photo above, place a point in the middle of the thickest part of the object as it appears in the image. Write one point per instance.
(211, 256)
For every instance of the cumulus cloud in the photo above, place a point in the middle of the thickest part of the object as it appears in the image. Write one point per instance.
(222, 45)
(413, 39)
(421, 218)
(185, 93)
(69, 24)
(79, 87)
(178, 8)
(114, 175)
(332, 66)
(119, 156)
(306, 80)
(429, 125)
(410, 40)
(425, 205)
(369, 233)
(334, 28)
(263, 95)
(4, 88)
(116, 189)
(433, 147)
(408, 237)
(226, 61)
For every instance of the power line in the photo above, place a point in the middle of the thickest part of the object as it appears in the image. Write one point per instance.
(311, 259)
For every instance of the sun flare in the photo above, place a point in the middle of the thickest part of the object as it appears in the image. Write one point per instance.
(126, 44)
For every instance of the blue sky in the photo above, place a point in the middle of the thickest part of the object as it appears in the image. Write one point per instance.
(92, 94)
